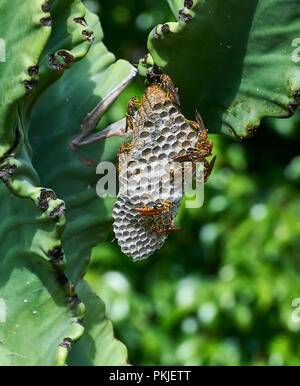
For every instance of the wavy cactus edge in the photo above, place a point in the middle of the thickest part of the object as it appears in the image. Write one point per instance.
(185, 13)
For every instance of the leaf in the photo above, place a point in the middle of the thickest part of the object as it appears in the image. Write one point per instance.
(38, 313)
(17, 71)
(96, 347)
(234, 64)
(74, 174)
(41, 313)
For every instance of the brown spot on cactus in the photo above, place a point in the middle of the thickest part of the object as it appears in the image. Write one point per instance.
(67, 57)
(89, 35)
(66, 343)
(45, 7)
(53, 63)
(33, 70)
(6, 171)
(188, 3)
(80, 20)
(46, 21)
(56, 255)
(185, 17)
(30, 84)
(58, 212)
(165, 28)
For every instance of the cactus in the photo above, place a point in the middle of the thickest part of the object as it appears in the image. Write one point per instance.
(41, 265)
(57, 81)
(235, 63)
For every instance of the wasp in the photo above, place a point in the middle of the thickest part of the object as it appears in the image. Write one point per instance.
(199, 155)
(201, 150)
(172, 176)
(169, 88)
(132, 107)
(198, 126)
(165, 229)
(118, 165)
(155, 76)
(208, 167)
(161, 208)
(194, 153)
(124, 148)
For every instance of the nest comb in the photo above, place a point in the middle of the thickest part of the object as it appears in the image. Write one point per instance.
(161, 133)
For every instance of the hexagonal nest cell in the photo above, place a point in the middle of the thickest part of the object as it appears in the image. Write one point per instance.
(146, 174)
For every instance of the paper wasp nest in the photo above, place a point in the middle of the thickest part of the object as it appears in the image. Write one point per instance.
(161, 133)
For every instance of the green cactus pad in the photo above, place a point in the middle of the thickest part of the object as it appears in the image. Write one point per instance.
(41, 314)
(90, 348)
(236, 63)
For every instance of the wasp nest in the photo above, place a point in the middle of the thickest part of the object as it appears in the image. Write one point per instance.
(146, 175)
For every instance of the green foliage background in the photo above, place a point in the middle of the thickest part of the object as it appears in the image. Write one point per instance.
(221, 292)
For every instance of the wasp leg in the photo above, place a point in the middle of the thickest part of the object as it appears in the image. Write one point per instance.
(208, 167)
(118, 165)
(192, 124)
